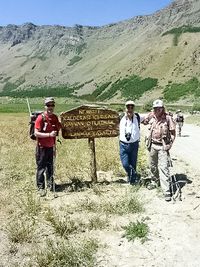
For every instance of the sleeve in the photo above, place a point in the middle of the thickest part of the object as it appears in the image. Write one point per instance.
(38, 123)
(146, 119)
(172, 125)
(142, 118)
(121, 127)
(58, 124)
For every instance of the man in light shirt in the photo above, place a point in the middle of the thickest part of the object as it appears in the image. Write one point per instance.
(162, 132)
(129, 141)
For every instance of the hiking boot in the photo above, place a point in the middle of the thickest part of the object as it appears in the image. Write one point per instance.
(42, 192)
(52, 188)
(152, 185)
(168, 197)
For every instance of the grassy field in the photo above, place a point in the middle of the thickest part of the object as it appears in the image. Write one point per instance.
(19, 105)
(193, 119)
(63, 231)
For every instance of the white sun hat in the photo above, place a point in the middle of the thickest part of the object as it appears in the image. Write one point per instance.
(129, 102)
(158, 104)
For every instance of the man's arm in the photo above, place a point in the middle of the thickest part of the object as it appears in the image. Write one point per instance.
(44, 135)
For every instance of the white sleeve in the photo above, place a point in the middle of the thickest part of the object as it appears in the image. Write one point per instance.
(142, 118)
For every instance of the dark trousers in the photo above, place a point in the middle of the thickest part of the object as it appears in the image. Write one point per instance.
(45, 164)
(128, 156)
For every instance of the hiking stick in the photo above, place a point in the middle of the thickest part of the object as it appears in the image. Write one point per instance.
(53, 174)
(29, 109)
(173, 177)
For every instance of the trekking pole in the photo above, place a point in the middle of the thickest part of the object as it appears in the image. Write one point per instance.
(53, 174)
(29, 109)
(174, 181)
(171, 177)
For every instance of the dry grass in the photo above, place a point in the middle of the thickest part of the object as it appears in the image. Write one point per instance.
(55, 226)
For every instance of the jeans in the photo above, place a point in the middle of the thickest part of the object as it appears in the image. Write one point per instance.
(44, 161)
(128, 156)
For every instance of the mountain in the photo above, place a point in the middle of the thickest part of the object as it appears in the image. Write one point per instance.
(163, 46)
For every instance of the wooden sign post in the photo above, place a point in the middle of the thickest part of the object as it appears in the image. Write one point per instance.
(90, 122)
(93, 168)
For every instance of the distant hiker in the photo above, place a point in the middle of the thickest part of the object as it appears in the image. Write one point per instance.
(47, 127)
(170, 113)
(129, 141)
(162, 131)
(179, 120)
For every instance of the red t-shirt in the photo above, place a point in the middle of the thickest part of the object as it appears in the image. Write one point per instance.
(47, 124)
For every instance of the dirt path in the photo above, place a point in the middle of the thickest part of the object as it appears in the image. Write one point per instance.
(174, 227)
(187, 147)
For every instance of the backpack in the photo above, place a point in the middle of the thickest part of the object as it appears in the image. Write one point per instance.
(138, 119)
(180, 118)
(34, 116)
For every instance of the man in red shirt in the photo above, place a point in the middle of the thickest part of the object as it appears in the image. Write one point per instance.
(47, 127)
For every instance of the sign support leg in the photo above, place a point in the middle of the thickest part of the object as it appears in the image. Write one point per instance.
(91, 143)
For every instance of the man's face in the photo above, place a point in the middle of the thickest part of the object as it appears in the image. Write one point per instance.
(158, 111)
(50, 107)
(130, 109)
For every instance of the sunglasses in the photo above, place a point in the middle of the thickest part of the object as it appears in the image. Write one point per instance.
(130, 106)
(50, 105)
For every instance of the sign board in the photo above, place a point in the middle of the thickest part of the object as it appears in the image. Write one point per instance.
(89, 122)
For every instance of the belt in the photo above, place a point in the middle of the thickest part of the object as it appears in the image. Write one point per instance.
(157, 143)
(128, 143)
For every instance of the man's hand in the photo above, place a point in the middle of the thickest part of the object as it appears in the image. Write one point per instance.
(53, 134)
(167, 147)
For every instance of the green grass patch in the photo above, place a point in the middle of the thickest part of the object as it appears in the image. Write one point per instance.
(196, 107)
(94, 96)
(59, 91)
(136, 230)
(175, 91)
(22, 107)
(180, 30)
(74, 60)
(80, 48)
(132, 87)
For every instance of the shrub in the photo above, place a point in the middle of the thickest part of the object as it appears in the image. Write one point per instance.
(196, 107)
(148, 106)
(64, 226)
(136, 230)
(67, 253)
(128, 203)
(20, 229)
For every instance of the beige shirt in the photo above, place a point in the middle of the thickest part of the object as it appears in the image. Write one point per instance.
(161, 127)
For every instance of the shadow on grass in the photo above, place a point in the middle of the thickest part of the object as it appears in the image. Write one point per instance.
(76, 185)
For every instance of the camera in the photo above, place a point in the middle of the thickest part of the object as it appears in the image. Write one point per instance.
(128, 136)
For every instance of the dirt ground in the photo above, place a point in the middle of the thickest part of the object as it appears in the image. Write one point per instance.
(174, 226)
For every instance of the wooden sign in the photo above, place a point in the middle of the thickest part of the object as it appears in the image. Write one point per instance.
(89, 122)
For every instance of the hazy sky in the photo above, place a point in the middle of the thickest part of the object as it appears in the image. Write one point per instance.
(70, 12)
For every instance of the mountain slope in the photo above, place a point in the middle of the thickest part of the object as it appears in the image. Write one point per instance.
(38, 56)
